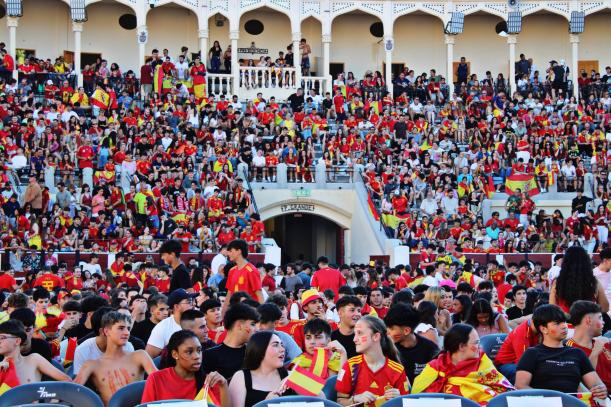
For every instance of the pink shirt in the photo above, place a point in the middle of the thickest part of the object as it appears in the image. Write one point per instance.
(604, 278)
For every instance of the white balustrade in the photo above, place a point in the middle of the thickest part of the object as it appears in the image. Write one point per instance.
(318, 83)
(218, 84)
(253, 77)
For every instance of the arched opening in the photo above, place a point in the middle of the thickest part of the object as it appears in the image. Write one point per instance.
(268, 30)
(218, 26)
(482, 47)
(172, 27)
(594, 50)
(311, 30)
(54, 16)
(423, 55)
(303, 236)
(347, 31)
(544, 37)
(103, 31)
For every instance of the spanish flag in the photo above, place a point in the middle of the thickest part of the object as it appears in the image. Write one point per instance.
(100, 99)
(158, 79)
(464, 189)
(199, 86)
(310, 381)
(476, 379)
(588, 400)
(66, 350)
(8, 378)
(211, 399)
(372, 208)
(470, 278)
(524, 182)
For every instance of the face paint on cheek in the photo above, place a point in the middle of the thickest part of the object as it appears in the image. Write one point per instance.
(363, 339)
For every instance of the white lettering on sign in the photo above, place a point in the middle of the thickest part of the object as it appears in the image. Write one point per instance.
(44, 395)
(297, 207)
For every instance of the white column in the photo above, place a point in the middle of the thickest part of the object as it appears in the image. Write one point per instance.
(141, 47)
(388, 76)
(203, 45)
(449, 39)
(347, 246)
(574, 39)
(234, 35)
(297, 57)
(326, 60)
(512, 39)
(77, 29)
(12, 23)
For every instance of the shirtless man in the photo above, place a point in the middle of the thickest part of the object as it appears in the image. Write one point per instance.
(29, 368)
(117, 368)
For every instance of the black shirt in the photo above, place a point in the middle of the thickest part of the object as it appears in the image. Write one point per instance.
(559, 369)
(296, 102)
(347, 342)
(223, 359)
(78, 332)
(180, 278)
(415, 359)
(579, 204)
(515, 312)
(142, 330)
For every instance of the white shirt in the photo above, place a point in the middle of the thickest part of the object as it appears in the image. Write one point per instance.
(182, 69)
(18, 162)
(91, 268)
(553, 273)
(217, 261)
(604, 278)
(89, 350)
(161, 333)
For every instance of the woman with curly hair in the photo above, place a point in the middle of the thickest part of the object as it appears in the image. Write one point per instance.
(577, 282)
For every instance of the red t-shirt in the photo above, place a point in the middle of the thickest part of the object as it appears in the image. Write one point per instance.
(518, 340)
(7, 282)
(49, 281)
(603, 364)
(86, 152)
(245, 279)
(166, 384)
(328, 278)
(391, 374)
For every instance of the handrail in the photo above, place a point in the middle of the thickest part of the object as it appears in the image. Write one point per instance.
(383, 225)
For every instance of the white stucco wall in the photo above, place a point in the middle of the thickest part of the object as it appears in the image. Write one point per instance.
(544, 37)
(594, 42)
(171, 27)
(419, 43)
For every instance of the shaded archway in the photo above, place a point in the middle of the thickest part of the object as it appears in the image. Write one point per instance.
(268, 29)
(594, 50)
(428, 51)
(356, 44)
(103, 31)
(311, 30)
(172, 26)
(54, 16)
(482, 47)
(218, 26)
(304, 236)
(544, 37)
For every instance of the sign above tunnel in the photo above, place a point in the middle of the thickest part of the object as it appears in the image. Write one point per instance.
(298, 207)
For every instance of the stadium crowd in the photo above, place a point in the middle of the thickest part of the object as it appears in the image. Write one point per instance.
(161, 160)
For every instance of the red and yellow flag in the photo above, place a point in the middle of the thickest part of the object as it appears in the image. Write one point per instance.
(100, 99)
(372, 208)
(211, 399)
(476, 379)
(199, 86)
(8, 378)
(305, 382)
(523, 182)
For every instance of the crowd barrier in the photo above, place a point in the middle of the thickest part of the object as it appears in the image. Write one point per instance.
(106, 259)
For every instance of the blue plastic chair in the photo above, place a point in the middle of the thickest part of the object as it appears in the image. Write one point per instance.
(607, 334)
(70, 371)
(129, 395)
(41, 405)
(329, 389)
(398, 402)
(491, 344)
(168, 402)
(567, 401)
(296, 399)
(66, 392)
(157, 362)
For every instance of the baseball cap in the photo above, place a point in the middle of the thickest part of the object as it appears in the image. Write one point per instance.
(179, 295)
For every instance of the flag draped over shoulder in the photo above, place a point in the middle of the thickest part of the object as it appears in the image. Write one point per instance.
(158, 79)
(476, 379)
(100, 99)
(8, 378)
(199, 86)
(524, 182)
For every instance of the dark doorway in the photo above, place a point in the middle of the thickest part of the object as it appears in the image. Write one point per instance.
(335, 68)
(306, 237)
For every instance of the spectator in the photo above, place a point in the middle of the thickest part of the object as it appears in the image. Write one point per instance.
(179, 301)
